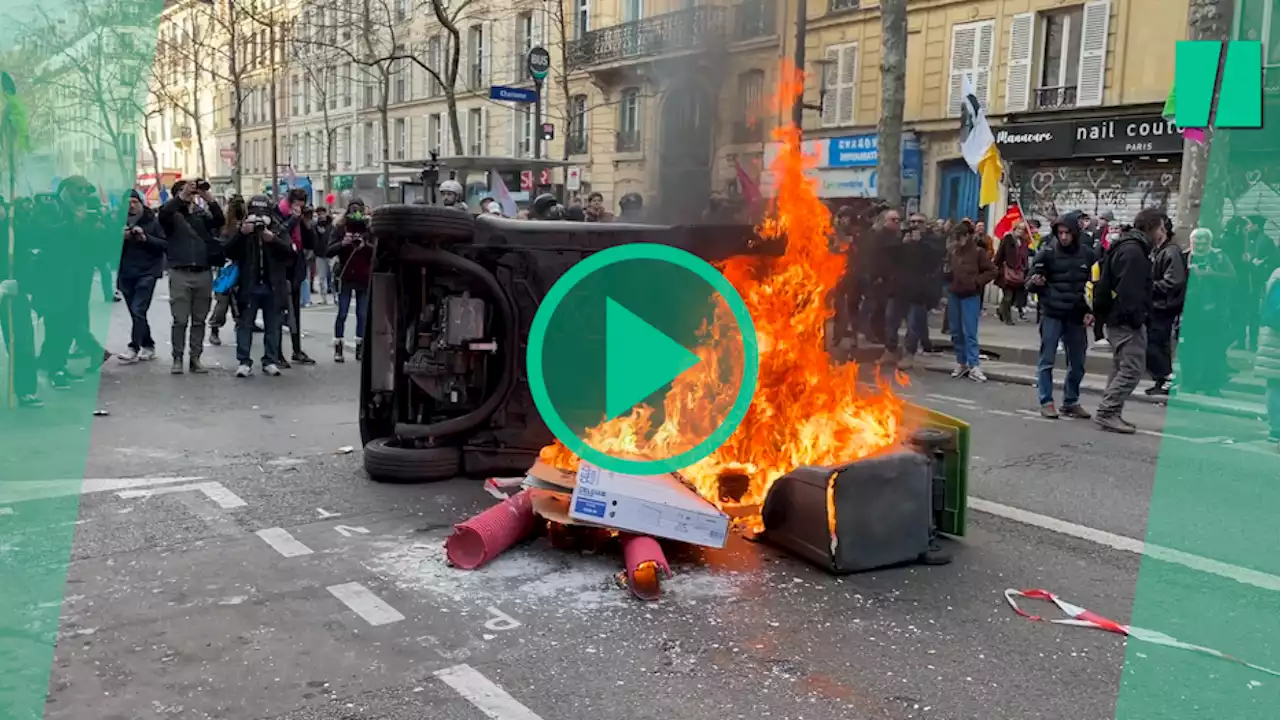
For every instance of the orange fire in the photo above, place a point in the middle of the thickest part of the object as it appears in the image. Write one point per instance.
(806, 410)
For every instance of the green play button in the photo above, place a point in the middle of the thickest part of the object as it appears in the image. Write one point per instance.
(639, 360)
(618, 328)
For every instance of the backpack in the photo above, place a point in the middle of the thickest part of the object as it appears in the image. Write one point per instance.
(228, 277)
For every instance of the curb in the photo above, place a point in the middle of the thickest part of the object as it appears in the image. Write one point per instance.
(1011, 378)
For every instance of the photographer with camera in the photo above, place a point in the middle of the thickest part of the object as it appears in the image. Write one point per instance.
(141, 265)
(299, 231)
(191, 221)
(352, 245)
(73, 241)
(263, 254)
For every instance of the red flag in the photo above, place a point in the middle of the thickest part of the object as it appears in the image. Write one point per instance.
(747, 187)
(1011, 218)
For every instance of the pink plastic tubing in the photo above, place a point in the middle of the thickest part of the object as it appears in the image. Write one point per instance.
(639, 551)
(489, 534)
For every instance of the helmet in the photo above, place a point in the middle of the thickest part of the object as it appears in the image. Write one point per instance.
(543, 204)
(630, 200)
(259, 205)
(452, 186)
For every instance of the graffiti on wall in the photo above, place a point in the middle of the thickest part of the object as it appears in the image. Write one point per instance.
(1045, 193)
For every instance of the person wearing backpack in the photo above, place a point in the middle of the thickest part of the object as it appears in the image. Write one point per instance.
(1168, 295)
(1266, 362)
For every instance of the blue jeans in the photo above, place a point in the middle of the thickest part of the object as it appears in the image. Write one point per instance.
(962, 317)
(917, 317)
(345, 292)
(259, 297)
(137, 292)
(1075, 341)
(1273, 407)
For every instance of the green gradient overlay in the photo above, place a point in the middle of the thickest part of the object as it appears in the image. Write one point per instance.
(81, 69)
(1216, 493)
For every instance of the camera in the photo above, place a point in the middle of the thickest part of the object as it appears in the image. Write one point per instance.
(203, 185)
(260, 222)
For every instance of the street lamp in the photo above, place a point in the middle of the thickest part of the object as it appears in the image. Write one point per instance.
(821, 67)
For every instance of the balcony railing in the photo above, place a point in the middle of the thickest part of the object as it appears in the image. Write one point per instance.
(688, 29)
(577, 144)
(747, 132)
(628, 141)
(1055, 98)
(754, 19)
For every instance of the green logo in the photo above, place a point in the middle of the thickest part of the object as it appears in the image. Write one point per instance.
(616, 330)
(1196, 74)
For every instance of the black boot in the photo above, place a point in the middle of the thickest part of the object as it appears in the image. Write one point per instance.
(337, 351)
(359, 349)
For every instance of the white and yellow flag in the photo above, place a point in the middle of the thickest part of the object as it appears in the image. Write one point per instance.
(978, 145)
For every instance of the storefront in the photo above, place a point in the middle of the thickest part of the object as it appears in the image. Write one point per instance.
(1122, 164)
(846, 169)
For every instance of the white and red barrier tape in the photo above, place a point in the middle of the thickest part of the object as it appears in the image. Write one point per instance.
(1080, 617)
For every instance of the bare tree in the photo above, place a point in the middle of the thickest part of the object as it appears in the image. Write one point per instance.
(893, 89)
(1206, 20)
(322, 72)
(564, 33)
(182, 52)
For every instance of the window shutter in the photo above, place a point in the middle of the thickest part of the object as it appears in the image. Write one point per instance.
(848, 84)
(982, 65)
(964, 40)
(830, 105)
(486, 42)
(1017, 87)
(1093, 53)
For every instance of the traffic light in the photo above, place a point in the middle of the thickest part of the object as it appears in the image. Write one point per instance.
(548, 131)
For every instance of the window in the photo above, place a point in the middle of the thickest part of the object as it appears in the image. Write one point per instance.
(402, 9)
(401, 138)
(475, 131)
(346, 86)
(629, 121)
(971, 52)
(581, 18)
(320, 151)
(523, 43)
(370, 94)
(435, 132)
(435, 60)
(577, 138)
(632, 10)
(399, 87)
(839, 107)
(368, 145)
(331, 88)
(306, 96)
(475, 56)
(749, 127)
(836, 5)
(522, 131)
(344, 144)
(1056, 59)
(304, 151)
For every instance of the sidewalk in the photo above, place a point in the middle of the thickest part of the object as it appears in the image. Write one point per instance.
(1010, 354)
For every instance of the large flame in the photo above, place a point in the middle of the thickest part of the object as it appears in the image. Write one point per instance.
(806, 410)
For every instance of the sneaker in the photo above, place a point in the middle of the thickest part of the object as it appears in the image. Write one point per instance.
(1048, 411)
(257, 327)
(1158, 389)
(960, 371)
(302, 358)
(177, 368)
(146, 354)
(1077, 412)
(1102, 344)
(214, 338)
(283, 364)
(271, 369)
(60, 380)
(244, 371)
(128, 356)
(198, 367)
(30, 401)
(1113, 423)
(338, 350)
(977, 375)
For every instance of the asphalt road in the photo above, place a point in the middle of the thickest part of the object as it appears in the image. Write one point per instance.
(276, 581)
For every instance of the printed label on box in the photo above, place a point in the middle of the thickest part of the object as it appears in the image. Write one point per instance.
(589, 507)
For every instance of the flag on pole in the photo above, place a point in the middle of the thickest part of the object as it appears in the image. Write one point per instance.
(1195, 135)
(498, 189)
(978, 145)
(1011, 218)
(747, 187)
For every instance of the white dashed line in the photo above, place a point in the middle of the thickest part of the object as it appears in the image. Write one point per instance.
(364, 603)
(487, 697)
(949, 398)
(1121, 542)
(18, 491)
(215, 491)
(1002, 413)
(283, 542)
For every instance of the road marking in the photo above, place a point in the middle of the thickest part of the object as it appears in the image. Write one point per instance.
(1121, 542)
(18, 491)
(215, 491)
(346, 530)
(487, 697)
(949, 398)
(1003, 413)
(1032, 415)
(364, 603)
(283, 542)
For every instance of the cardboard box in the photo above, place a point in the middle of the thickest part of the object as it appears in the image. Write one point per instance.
(660, 506)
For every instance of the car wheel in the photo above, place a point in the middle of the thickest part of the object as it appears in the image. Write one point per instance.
(385, 461)
(418, 220)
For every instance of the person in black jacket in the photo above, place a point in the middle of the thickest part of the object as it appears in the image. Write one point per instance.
(141, 265)
(1122, 298)
(299, 231)
(352, 245)
(914, 268)
(15, 312)
(1059, 273)
(191, 221)
(264, 255)
(1169, 292)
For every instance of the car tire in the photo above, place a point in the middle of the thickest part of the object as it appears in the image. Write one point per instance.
(419, 220)
(385, 461)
